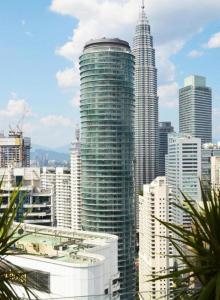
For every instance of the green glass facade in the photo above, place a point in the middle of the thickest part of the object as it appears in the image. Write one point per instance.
(107, 133)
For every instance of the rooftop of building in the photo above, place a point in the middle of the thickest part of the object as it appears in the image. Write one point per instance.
(106, 41)
(211, 146)
(195, 81)
(61, 245)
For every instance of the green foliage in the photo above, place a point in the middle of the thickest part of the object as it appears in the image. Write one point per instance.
(10, 273)
(198, 249)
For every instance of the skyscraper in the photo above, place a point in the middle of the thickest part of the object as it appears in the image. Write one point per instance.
(76, 176)
(195, 108)
(183, 168)
(164, 129)
(146, 104)
(107, 112)
(155, 255)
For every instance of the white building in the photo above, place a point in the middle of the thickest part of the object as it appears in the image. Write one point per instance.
(69, 263)
(75, 168)
(208, 151)
(154, 249)
(215, 171)
(38, 202)
(48, 177)
(48, 181)
(183, 167)
(63, 197)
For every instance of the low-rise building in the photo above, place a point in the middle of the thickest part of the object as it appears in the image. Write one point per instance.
(38, 206)
(68, 264)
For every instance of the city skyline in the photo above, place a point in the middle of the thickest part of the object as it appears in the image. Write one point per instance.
(36, 54)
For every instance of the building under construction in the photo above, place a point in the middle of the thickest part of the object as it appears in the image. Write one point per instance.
(14, 150)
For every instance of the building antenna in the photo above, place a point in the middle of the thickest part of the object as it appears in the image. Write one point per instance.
(143, 4)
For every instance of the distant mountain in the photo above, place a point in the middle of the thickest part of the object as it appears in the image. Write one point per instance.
(42, 156)
(63, 149)
(36, 146)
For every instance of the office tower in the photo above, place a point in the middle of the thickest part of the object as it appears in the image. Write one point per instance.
(146, 104)
(209, 150)
(14, 150)
(63, 197)
(215, 171)
(195, 108)
(75, 169)
(183, 167)
(107, 112)
(38, 206)
(157, 201)
(164, 129)
(66, 264)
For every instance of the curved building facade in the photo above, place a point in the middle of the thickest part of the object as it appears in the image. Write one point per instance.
(107, 113)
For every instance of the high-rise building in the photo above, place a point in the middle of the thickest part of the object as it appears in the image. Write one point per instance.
(63, 197)
(14, 150)
(209, 150)
(183, 167)
(215, 171)
(38, 205)
(164, 129)
(107, 112)
(195, 108)
(76, 176)
(146, 104)
(155, 250)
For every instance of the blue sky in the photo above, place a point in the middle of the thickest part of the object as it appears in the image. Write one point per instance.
(41, 41)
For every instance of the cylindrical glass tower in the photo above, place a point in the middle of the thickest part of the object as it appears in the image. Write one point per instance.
(107, 114)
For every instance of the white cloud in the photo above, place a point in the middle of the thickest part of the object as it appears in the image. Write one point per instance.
(168, 94)
(16, 107)
(56, 120)
(216, 111)
(75, 102)
(23, 22)
(68, 77)
(214, 41)
(164, 52)
(28, 33)
(195, 53)
(117, 18)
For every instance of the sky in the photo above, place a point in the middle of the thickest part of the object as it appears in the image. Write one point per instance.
(41, 42)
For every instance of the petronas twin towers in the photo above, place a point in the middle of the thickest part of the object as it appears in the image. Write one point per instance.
(146, 105)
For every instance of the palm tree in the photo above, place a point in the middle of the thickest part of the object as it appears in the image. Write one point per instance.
(198, 249)
(10, 275)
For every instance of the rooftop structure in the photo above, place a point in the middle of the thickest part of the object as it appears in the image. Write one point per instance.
(73, 264)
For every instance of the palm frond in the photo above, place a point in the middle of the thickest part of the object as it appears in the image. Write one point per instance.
(197, 248)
